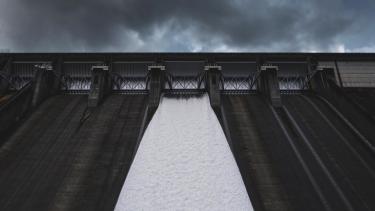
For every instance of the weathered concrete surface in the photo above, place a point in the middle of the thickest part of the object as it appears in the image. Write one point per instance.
(63, 158)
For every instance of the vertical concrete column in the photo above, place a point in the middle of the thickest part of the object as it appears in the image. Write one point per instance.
(213, 76)
(4, 79)
(99, 85)
(321, 79)
(268, 84)
(43, 82)
(156, 85)
(58, 70)
(109, 81)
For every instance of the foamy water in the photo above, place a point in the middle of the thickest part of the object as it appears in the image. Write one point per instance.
(184, 163)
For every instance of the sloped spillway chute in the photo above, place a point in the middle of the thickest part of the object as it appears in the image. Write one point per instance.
(184, 162)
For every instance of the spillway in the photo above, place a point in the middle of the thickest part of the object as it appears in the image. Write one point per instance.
(184, 162)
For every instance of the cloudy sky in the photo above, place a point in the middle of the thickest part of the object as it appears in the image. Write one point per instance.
(187, 25)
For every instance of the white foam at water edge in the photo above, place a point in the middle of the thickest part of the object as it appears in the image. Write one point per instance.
(184, 163)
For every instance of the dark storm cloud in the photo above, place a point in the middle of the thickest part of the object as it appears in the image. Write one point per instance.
(179, 25)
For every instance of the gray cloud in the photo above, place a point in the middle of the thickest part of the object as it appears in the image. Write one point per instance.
(185, 25)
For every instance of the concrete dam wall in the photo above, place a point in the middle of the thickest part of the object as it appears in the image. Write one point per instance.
(248, 131)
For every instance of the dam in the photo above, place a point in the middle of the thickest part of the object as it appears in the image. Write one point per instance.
(209, 131)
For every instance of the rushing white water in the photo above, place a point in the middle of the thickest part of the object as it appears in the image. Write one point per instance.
(184, 163)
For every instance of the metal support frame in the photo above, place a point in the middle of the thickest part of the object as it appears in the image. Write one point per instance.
(77, 77)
